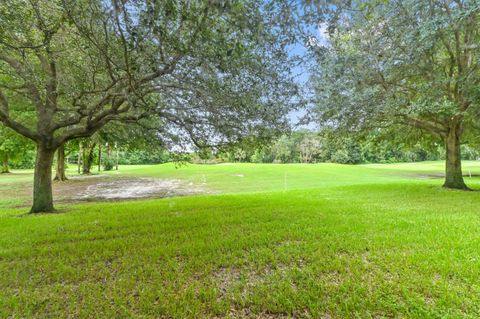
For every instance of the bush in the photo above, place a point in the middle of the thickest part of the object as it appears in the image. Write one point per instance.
(108, 164)
(139, 157)
(26, 161)
(341, 157)
(261, 156)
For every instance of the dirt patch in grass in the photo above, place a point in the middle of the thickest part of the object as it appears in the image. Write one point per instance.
(226, 278)
(132, 188)
(107, 188)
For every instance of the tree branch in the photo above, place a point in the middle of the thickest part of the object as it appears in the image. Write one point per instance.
(14, 125)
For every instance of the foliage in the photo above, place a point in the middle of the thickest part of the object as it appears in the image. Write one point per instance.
(153, 63)
(284, 150)
(153, 156)
(26, 161)
(15, 150)
(400, 64)
(197, 69)
(262, 155)
(108, 164)
(329, 146)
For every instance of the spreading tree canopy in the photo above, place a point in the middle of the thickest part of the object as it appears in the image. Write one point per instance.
(405, 63)
(211, 71)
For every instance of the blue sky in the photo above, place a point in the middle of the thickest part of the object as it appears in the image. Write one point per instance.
(302, 72)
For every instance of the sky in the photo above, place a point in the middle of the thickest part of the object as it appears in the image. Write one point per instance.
(302, 72)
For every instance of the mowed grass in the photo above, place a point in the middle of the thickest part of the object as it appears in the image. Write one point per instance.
(11, 186)
(239, 178)
(332, 241)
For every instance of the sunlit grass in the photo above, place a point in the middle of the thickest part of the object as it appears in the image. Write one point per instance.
(362, 241)
(232, 178)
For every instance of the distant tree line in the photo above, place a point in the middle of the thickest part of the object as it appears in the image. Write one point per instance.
(327, 146)
(26, 160)
(110, 147)
(107, 150)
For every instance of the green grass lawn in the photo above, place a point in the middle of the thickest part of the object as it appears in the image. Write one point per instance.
(236, 178)
(313, 241)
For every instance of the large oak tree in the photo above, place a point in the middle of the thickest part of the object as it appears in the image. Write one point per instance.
(405, 63)
(211, 71)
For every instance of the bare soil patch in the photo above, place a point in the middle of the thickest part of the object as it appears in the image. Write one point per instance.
(131, 188)
(107, 188)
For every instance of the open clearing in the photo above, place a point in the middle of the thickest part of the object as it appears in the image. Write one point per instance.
(274, 241)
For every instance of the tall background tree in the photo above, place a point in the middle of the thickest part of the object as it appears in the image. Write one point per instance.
(402, 64)
(200, 66)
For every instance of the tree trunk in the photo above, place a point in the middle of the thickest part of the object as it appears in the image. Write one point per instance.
(88, 158)
(109, 151)
(4, 169)
(453, 162)
(42, 180)
(116, 157)
(79, 159)
(99, 157)
(60, 173)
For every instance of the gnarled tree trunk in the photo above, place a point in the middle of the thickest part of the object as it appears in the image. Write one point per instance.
(60, 171)
(453, 161)
(42, 181)
(4, 169)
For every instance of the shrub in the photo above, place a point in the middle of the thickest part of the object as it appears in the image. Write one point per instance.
(108, 164)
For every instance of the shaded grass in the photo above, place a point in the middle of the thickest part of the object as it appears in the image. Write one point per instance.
(383, 246)
(12, 187)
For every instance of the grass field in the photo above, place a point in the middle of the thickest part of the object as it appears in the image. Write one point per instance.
(274, 241)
